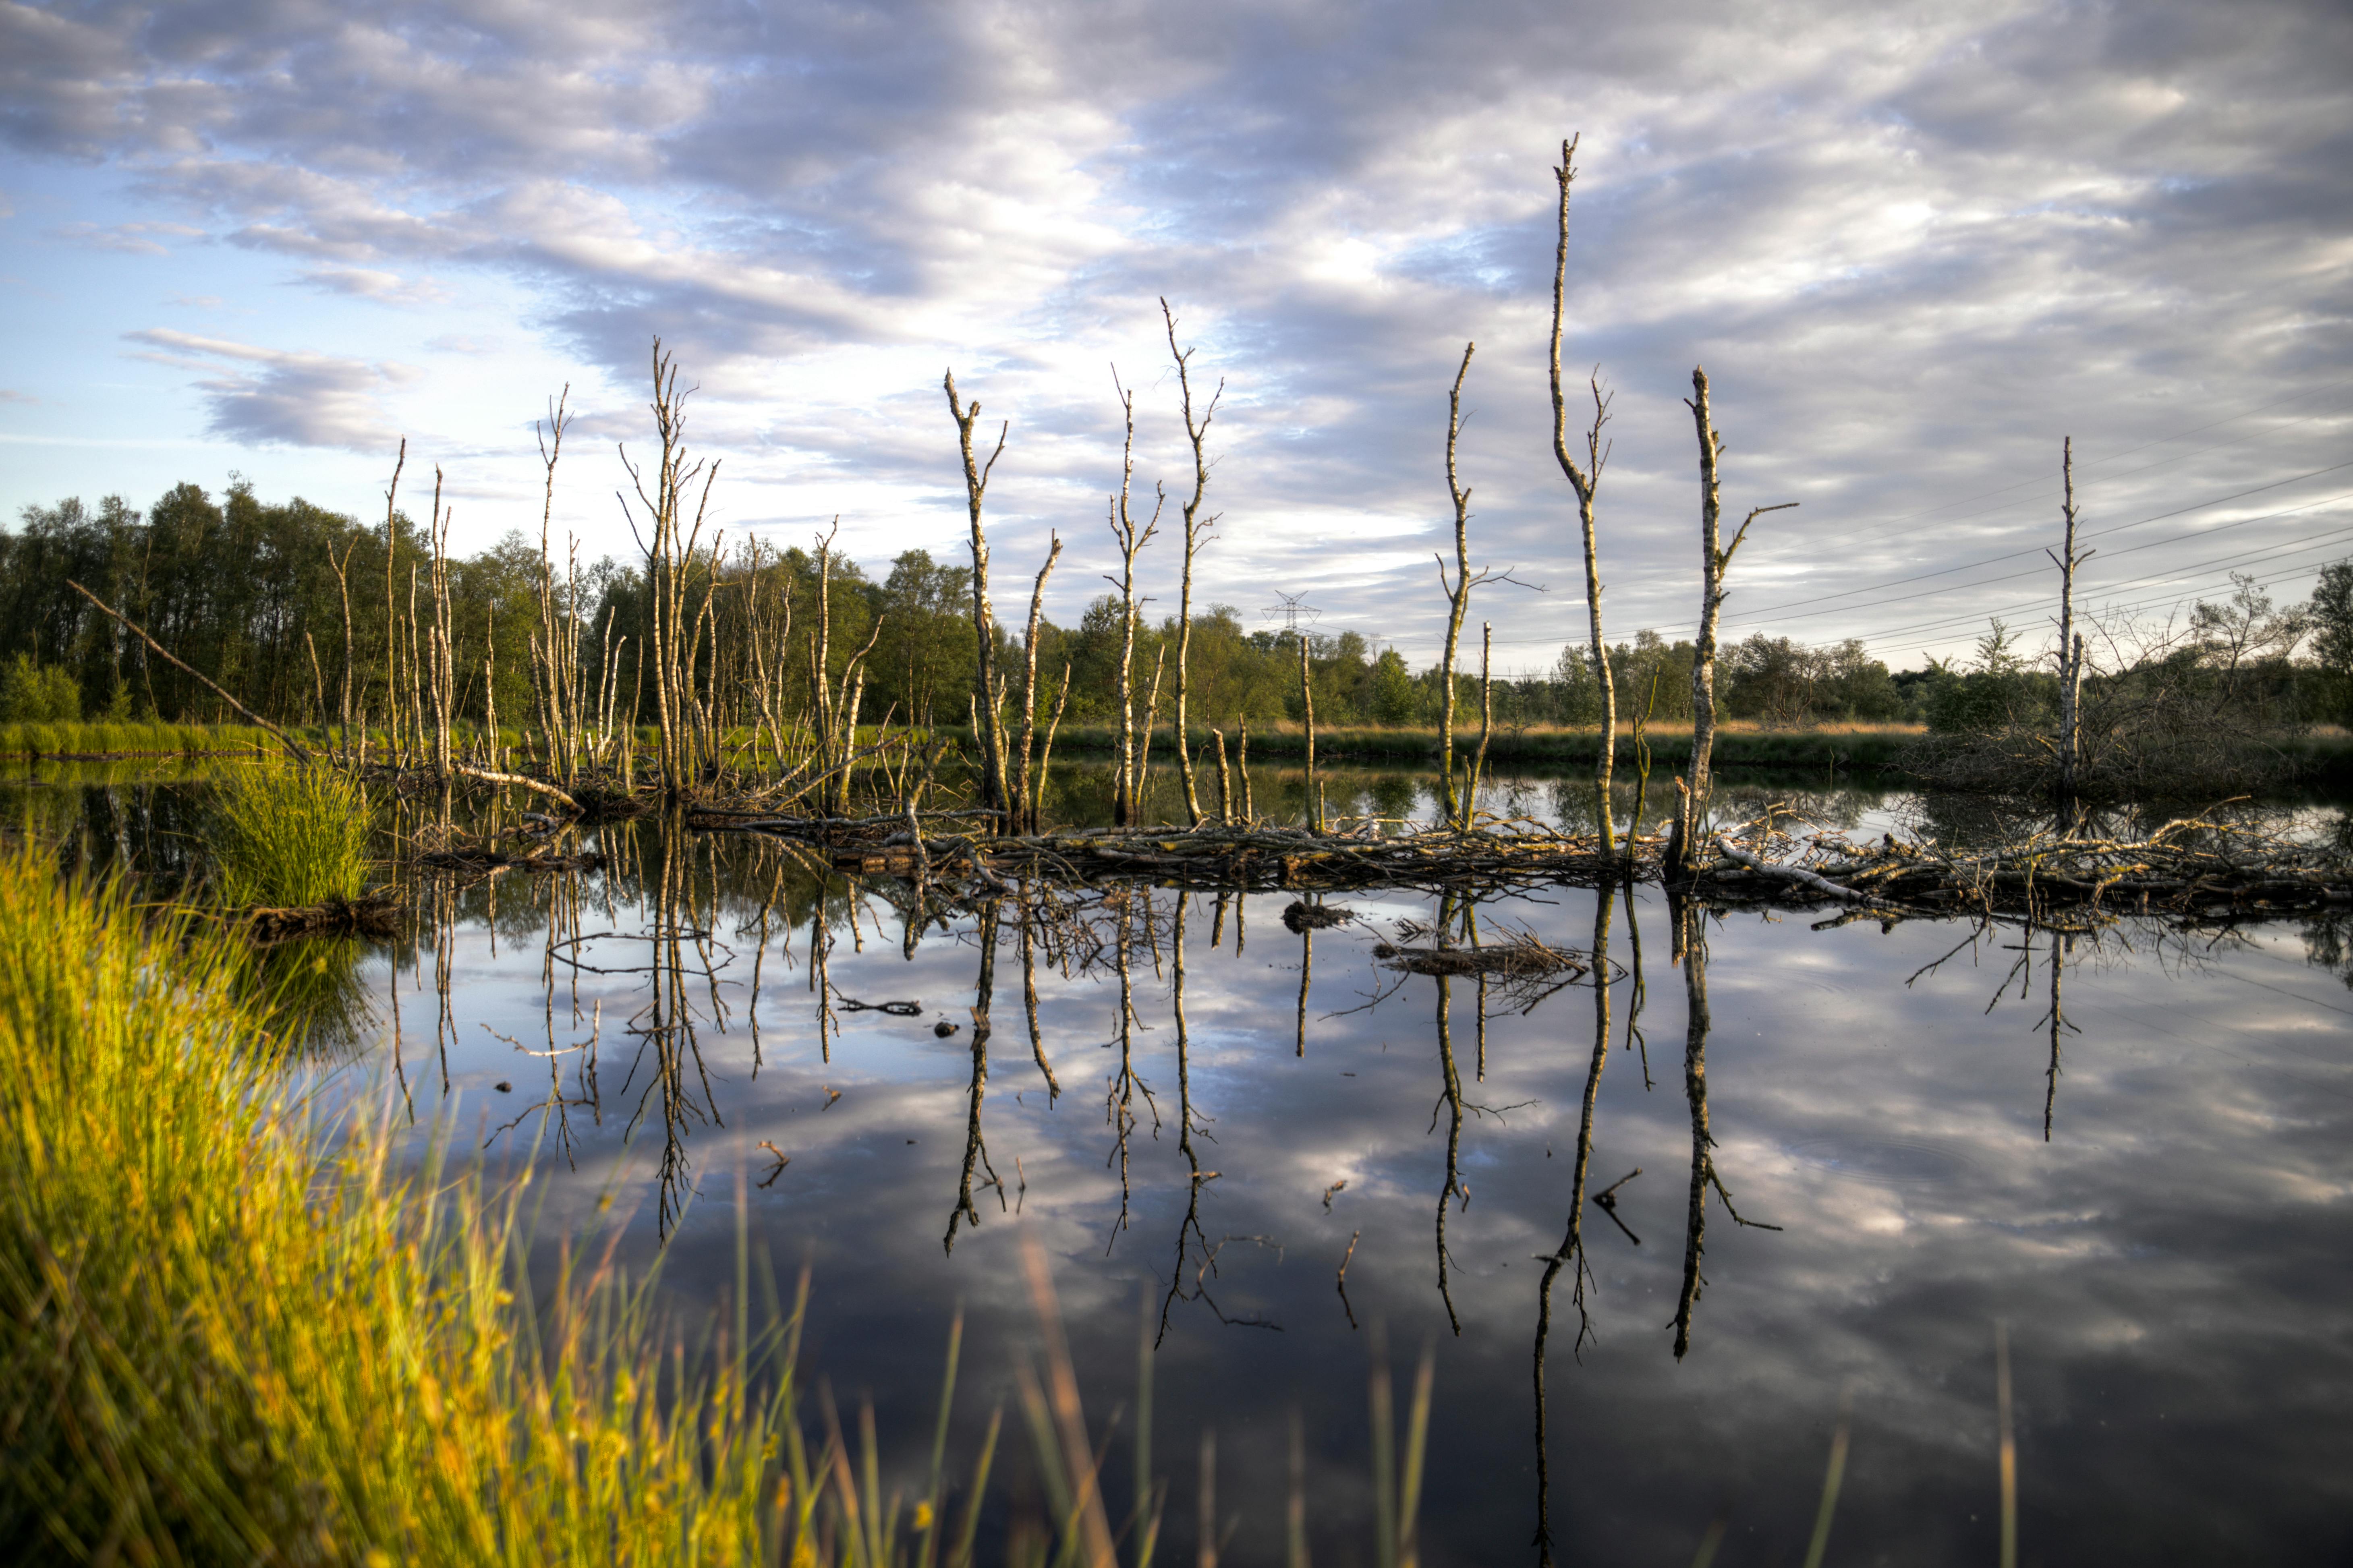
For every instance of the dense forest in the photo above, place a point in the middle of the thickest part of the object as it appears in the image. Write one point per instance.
(281, 603)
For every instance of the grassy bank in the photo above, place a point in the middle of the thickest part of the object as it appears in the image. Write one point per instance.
(108, 739)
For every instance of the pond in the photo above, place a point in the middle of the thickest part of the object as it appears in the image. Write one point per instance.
(1263, 1162)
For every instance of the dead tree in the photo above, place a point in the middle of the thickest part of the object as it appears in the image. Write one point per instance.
(343, 591)
(1715, 558)
(1314, 812)
(668, 544)
(1583, 479)
(391, 615)
(1130, 539)
(2070, 643)
(984, 620)
(1457, 593)
(1196, 526)
(1025, 792)
(558, 637)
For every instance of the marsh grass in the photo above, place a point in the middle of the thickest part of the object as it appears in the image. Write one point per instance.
(286, 837)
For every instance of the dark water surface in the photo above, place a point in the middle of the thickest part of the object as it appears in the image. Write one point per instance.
(1196, 1155)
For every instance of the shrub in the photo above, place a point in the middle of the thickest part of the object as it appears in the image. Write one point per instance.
(31, 695)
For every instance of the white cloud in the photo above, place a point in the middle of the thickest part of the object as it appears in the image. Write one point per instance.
(279, 396)
(368, 283)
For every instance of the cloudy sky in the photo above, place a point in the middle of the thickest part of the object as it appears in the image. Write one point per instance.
(1914, 245)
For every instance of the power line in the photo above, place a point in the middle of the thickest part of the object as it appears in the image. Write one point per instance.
(1816, 540)
(2128, 550)
(1944, 624)
(2032, 550)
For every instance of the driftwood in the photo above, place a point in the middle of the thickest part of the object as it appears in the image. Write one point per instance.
(1809, 881)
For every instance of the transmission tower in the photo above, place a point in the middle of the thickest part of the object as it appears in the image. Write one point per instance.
(1294, 613)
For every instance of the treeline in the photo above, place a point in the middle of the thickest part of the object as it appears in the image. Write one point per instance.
(257, 595)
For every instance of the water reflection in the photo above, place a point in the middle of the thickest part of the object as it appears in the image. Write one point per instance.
(2170, 1246)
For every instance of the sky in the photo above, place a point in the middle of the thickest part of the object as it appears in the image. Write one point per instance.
(1914, 246)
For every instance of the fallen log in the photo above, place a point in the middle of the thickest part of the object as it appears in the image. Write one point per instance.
(517, 781)
(371, 914)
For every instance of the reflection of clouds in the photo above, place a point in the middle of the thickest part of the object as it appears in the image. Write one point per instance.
(2180, 1246)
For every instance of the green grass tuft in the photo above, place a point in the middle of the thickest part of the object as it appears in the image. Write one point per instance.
(287, 838)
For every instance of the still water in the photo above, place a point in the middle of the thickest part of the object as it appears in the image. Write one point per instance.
(1213, 1113)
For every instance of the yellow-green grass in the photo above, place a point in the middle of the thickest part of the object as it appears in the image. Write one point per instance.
(231, 1334)
(287, 838)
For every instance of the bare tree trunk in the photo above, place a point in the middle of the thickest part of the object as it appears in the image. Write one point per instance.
(984, 620)
(1144, 741)
(1196, 526)
(391, 616)
(1130, 539)
(1458, 596)
(1024, 804)
(441, 677)
(1486, 720)
(1682, 841)
(821, 655)
(1241, 766)
(1046, 751)
(1225, 783)
(1583, 480)
(670, 554)
(560, 719)
(2071, 645)
(343, 592)
(1315, 813)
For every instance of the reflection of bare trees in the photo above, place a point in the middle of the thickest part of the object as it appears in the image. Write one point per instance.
(1124, 1084)
(2057, 1020)
(1195, 1253)
(1690, 937)
(1029, 1000)
(1571, 1253)
(975, 1150)
(1190, 1228)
